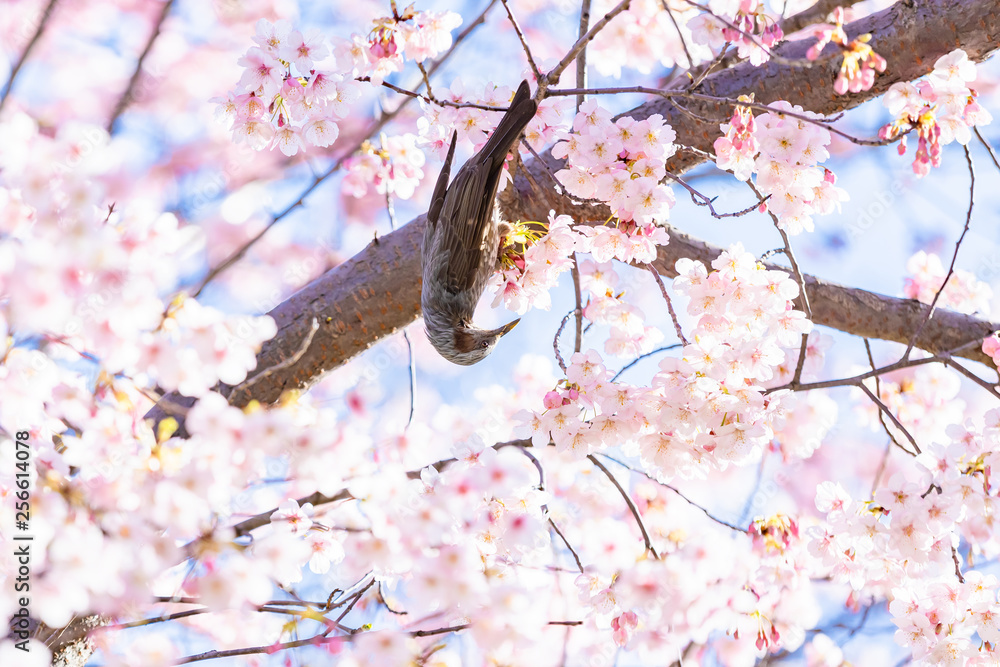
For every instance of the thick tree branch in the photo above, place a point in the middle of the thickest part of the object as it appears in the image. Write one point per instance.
(377, 292)
(910, 36)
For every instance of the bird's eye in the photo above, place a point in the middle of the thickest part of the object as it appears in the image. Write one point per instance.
(485, 344)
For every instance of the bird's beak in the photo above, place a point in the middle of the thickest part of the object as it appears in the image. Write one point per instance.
(507, 327)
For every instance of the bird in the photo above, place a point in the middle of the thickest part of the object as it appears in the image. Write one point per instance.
(461, 244)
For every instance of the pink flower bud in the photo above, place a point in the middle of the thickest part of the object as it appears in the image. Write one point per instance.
(552, 400)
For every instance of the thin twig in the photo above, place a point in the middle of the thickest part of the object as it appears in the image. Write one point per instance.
(381, 598)
(684, 94)
(127, 96)
(794, 62)
(581, 60)
(391, 210)
(430, 99)
(548, 169)
(958, 567)
(316, 640)
(644, 356)
(988, 147)
(538, 467)
(465, 626)
(524, 44)
(43, 23)
(881, 417)
(878, 381)
(701, 199)
(357, 596)
(854, 380)
(575, 271)
(426, 80)
(541, 487)
(972, 376)
(885, 409)
(677, 491)
(954, 256)
(670, 305)
(628, 501)
(555, 340)
(569, 546)
(677, 27)
(266, 608)
(581, 43)
(316, 499)
(800, 279)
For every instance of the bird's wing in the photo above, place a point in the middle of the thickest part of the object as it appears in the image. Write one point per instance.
(467, 213)
(437, 199)
(468, 204)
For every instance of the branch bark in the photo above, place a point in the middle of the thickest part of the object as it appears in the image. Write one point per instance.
(377, 292)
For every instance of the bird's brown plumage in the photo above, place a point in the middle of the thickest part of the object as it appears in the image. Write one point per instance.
(462, 240)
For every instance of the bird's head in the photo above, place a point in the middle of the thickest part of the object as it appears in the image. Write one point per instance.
(467, 345)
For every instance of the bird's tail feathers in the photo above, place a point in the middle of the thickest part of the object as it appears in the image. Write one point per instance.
(441, 187)
(519, 114)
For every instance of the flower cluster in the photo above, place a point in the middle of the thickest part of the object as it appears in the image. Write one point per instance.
(626, 242)
(743, 23)
(475, 124)
(902, 545)
(282, 98)
(620, 163)
(650, 35)
(784, 151)
(394, 167)
(857, 72)
(707, 408)
(416, 35)
(736, 149)
(196, 346)
(745, 318)
(964, 293)
(941, 107)
(759, 594)
(991, 347)
(629, 335)
(531, 263)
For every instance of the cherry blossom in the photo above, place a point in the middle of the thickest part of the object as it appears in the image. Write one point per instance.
(783, 151)
(272, 106)
(682, 484)
(963, 293)
(860, 64)
(396, 167)
(745, 24)
(619, 163)
(941, 107)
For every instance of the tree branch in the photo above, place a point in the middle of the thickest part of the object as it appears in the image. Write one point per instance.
(43, 22)
(128, 96)
(377, 292)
